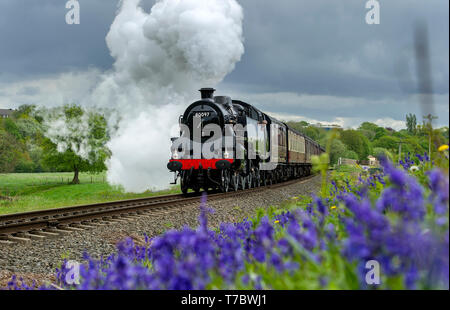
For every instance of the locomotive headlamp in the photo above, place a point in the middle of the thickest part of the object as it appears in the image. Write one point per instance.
(175, 155)
(223, 164)
(174, 166)
(226, 155)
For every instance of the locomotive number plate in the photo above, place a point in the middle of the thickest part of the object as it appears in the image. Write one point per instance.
(202, 114)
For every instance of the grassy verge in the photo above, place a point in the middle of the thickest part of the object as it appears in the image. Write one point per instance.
(38, 191)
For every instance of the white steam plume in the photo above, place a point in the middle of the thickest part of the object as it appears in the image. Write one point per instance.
(161, 59)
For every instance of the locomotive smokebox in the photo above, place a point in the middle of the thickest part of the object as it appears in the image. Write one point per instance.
(207, 93)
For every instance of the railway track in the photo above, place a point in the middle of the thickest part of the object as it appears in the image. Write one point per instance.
(28, 226)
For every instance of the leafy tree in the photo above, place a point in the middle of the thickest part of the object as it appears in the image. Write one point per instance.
(37, 156)
(356, 142)
(351, 155)
(387, 142)
(28, 111)
(312, 132)
(337, 149)
(445, 133)
(82, 144)
(368, 126)
(10, 127)
(412, 145)
(411, 123)
(369, 134)
(372, 131)
(10, 151)
(304, 124)
(295, 125)
(29, 128)
(380, 152)
(380, 132)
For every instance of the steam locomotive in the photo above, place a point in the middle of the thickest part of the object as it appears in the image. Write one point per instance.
(229, 144)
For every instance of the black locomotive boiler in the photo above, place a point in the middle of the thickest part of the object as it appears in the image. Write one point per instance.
(229, 144)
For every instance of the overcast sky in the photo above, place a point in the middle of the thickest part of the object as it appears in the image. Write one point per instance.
(316, 60)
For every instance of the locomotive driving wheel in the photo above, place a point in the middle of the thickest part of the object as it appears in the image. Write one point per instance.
(263, 178)
(235, 181)
(242, 182)
(224, 180)
(257, 178)
(250, 180)
(184, 183)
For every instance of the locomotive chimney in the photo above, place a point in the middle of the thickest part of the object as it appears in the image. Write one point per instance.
(207, 93)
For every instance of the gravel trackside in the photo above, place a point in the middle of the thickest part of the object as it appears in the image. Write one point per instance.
(37, 260)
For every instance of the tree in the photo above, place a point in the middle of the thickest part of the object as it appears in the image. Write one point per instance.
(10, 127)
(371, 130)
(337, 149)
(304, 123)
(295, 125)
(25, 110)
(368, 126)
(315, 133)
(387, 142)
(445, 133)
(380, 132)
(411, 123)
(356, 142)
(76, 141)
(380, 152)
(351, 155)
(312, 132)
(10, 151)
(369, 134)
(29, 128)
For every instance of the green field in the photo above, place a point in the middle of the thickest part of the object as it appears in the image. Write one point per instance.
(21, 192)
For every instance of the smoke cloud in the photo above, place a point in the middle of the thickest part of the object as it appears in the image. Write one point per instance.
(161, 59)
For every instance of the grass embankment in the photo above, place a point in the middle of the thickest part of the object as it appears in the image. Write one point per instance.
(22, 192)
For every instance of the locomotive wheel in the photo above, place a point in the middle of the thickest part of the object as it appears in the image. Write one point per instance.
(257, 178)
(224, 181)
(235, 181)
(184, 184)
(242, 182)
(249, 180)
(263, 179)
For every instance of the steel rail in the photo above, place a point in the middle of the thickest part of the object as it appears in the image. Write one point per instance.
(11, 224)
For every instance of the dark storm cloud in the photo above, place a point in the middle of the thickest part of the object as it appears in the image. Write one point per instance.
(35, 39)
(325, 47)
(320, 48)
